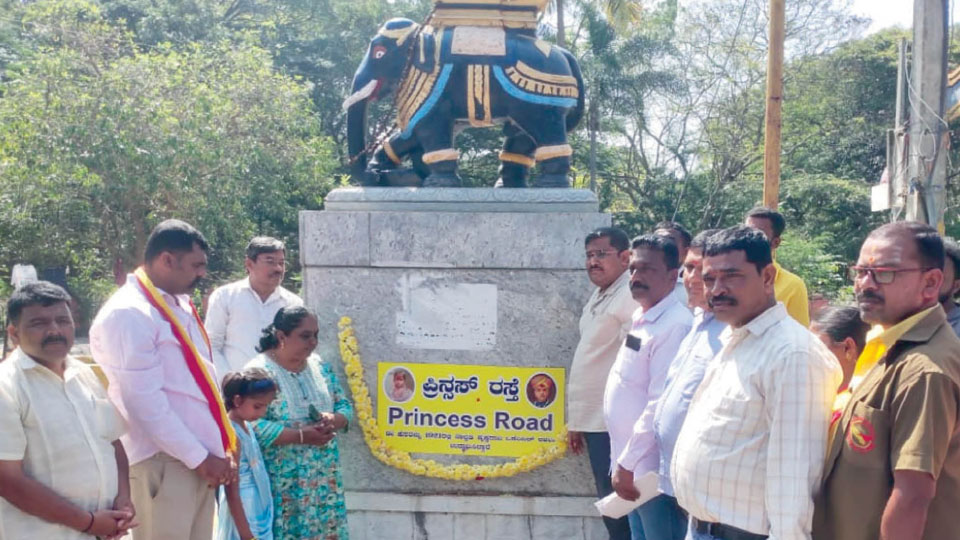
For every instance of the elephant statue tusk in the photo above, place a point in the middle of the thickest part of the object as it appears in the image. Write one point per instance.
(361, 94)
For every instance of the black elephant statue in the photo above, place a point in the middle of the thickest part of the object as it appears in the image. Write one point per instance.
(448, 78)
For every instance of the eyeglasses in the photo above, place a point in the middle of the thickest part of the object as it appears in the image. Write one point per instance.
(883, 276)
(600, 254)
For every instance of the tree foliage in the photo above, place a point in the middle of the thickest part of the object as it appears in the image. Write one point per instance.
(100, 139)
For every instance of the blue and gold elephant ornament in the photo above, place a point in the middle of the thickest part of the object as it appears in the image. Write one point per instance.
(452, 77)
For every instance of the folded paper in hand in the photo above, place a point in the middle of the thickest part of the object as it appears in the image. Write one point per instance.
(613, 506)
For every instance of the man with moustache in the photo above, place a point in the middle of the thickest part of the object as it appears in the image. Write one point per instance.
(749, 455)
(604, 324)
(683, 378)
(239, 311)
(154, 351)
(63, 471)
(893, 465)
(637, 377)
(951, 283)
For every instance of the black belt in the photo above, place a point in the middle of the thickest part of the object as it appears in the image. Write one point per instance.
(724, 532)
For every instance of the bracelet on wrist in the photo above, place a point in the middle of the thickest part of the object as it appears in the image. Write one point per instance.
(300, 431)
(89, 525)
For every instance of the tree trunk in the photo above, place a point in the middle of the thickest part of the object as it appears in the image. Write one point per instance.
(561, 27)
(594, 124)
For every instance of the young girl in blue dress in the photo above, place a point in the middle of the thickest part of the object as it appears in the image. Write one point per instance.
(246, 506)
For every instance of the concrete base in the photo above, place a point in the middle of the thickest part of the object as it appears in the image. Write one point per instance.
(494, 277)
(394, 516)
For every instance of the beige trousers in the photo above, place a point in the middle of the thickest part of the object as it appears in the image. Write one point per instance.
(172, 501)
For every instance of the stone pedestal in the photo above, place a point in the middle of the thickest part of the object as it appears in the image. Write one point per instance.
(506, 267)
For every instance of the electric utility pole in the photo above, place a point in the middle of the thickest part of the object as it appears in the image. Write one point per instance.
(772, 119)
(927, 143)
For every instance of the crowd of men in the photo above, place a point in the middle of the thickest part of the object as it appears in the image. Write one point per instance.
(79, 461)
(755, 426)
(695, 363)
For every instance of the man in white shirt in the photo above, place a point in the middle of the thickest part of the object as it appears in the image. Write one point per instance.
(63, 471)
(177, 446)
(750, 453)
(638, 374)
(604, 324)
(238, 312)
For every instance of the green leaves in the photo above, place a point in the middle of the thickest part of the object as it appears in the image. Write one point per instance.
(100, 139)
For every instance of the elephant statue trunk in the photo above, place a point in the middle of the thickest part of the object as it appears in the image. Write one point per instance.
(356, 106)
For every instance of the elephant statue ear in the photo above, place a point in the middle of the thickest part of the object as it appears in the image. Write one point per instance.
(399, 30)
(425, 57)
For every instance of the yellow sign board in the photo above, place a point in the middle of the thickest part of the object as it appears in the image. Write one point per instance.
(469, 410)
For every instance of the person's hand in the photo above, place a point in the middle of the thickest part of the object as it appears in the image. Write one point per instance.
(318, 434)
(123, 503)
(575, 442)
(106, 523)
(333, 420)
(623, 484)
(216, 470)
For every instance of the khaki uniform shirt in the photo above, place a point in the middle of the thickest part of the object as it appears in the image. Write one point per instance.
(902, 416)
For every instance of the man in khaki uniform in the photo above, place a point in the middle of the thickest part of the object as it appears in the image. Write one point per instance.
(893, 464)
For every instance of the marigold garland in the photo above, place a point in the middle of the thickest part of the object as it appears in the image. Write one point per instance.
(349, 354)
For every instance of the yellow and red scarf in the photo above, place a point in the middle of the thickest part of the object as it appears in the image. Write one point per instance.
(193, 359)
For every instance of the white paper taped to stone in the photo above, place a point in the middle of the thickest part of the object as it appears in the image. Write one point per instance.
(439, 314)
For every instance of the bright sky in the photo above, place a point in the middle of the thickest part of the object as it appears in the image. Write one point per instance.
(887, 13)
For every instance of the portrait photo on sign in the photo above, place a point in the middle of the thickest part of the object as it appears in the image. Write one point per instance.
(541, 390)
(398, 384)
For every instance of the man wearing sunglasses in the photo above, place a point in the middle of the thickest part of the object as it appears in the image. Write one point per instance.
(893, 461)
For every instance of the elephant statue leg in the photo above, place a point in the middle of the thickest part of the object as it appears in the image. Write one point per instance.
(516, 159)
(553, 163)
(386, 162)
(443, 168)
(436, 138)
(553, 153)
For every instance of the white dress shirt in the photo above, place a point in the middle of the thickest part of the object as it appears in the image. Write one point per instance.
(62, 429)
(236, 316)
(149, 380)
(604, 324)
(636, 382)
(750, 453)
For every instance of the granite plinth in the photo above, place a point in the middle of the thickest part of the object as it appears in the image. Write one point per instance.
(508, 263)
(415, 199)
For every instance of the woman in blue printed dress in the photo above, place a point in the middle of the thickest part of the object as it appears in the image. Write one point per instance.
(298, 431)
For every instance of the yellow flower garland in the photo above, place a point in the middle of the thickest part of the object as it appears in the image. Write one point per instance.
(349, 354)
